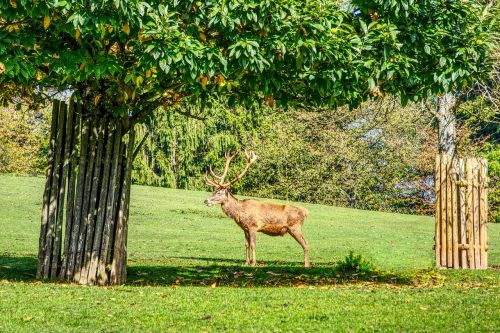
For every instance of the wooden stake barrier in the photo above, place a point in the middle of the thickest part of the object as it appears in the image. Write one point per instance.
(87, 194)
(461, 213)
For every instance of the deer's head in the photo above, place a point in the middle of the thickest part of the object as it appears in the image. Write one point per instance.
(221, 189)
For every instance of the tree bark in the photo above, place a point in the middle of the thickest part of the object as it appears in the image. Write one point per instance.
(447, 124)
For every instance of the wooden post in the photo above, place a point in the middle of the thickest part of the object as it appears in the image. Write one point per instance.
(93, 203)
(111, 207)
(462, 214)
(82, 168)
(470, 212)
(101, 210)
(54, 191)
(67, 119)
(483, 211)
(86, 199)
(72, 174)
(449, 216)
(42, 246)
(120, 251)
(443, 211)
(437, 231)
(454, 212)
(475, 195)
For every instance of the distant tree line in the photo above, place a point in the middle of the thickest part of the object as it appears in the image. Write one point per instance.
(379, 156)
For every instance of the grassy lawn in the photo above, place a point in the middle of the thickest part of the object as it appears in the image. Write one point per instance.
(186, 274)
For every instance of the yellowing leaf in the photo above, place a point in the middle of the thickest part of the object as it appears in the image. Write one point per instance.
(46, 22)
(148, 73)
(13, 3)
(203, 37)
(220, 79)
(12, 27)
(139, 80)
(78, 34)
(97, 99)
(2, 68)
(126, 29)
(82, 65)
(28, 318)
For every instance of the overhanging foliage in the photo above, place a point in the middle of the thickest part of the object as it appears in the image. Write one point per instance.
(131, 57)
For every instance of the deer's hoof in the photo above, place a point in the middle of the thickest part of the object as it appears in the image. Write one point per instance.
(307, 265)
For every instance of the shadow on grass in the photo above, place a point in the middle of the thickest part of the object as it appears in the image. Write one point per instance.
(267, 274)
(17, 268)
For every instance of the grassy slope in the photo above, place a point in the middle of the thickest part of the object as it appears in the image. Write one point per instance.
(177, 245)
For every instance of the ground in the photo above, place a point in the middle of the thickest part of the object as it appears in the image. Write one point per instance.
(186, 274)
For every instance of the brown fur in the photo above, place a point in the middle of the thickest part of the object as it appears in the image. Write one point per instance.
(255, 216)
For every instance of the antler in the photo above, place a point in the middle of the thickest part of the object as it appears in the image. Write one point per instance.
(251, 157)
(218, 181)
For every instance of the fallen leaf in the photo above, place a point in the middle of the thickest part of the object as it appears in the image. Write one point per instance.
(213, 285)
(28, 318)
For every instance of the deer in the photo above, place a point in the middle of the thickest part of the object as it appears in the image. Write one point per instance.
(252, 215)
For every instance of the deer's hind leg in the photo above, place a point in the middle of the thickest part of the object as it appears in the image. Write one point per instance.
(296, 233)
(247, 248)
(253, 238)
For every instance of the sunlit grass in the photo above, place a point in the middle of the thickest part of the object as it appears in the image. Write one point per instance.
(186, 273)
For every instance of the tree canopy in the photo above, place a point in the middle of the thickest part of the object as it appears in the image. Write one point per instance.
(130, 57)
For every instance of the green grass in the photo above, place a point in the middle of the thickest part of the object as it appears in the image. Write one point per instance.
(186, 274)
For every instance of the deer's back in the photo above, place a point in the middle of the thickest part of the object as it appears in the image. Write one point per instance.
(275, 214)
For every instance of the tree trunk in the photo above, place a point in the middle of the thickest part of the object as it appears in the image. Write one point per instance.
(447, 124)
(88, 192)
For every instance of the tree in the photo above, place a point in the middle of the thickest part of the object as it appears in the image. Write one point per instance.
(451, 48)
(121, 60)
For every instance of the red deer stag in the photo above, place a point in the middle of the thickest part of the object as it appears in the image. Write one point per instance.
(255, 216)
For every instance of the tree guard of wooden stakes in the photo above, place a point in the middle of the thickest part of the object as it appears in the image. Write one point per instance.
(87, 194)
(461, 239)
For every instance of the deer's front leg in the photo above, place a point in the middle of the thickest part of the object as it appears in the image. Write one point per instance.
(247, 248)
(253, 238)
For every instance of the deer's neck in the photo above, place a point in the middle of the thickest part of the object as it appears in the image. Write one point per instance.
(232, 207)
